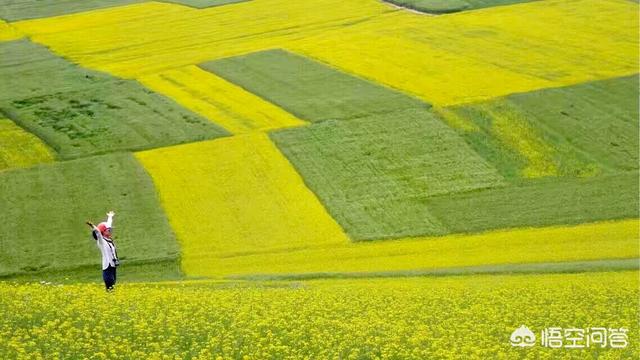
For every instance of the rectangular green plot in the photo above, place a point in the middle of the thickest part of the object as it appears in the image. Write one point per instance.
(28, 70)
(33, 9)
(44, 210)
(580, 130)
(202, 4)
(452, 6)
(308, 89)
(540, 203)
(375, 173)
(79, 112)
(598, 119)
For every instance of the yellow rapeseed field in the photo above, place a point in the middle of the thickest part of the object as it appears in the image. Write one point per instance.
(129, 41)
(220, 101)
(8, 32)
(444, 60)
(236, 196)
(417, 318)
(20, 148)
(606, 240)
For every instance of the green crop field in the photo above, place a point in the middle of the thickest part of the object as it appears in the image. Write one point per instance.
(540, 203)
(375, 181)
(53, 202)
(451, 6)
(79, 112)
(308, 89)
(327, 179)
(580, 130)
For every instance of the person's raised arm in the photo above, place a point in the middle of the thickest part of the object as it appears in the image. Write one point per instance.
(110, 216)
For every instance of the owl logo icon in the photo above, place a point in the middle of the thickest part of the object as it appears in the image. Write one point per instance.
(523, 337)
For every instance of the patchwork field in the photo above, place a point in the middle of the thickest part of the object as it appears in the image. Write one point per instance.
(326, 179)
(244, 198)
(79, 112)
(229, 105)
(577, 131)
(310, 90)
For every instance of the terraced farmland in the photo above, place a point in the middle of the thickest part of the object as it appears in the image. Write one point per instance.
(275, 166)
(80, 112)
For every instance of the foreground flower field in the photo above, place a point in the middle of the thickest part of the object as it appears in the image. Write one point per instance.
(419, 318)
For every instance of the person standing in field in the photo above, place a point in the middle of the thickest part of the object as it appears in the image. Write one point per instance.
(102, 235)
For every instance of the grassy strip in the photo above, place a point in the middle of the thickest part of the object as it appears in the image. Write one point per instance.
(308, 89)
(80, 112)
(374, 173)
(44, 209)
(535, 268)
(579, 130)
(540, 203)
(202, 4)
(451, 6)
(134, 271)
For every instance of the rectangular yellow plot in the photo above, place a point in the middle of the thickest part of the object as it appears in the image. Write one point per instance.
(235, 196)
(597, 241)
(220, 101)
(19, 148)
(478, 55)
(147, 38)
(8, 32)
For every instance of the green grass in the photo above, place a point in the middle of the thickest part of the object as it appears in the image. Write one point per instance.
(540, 203)
(451, 6)
(12, 10)
(44, 209)
(308, 89)
(79, 112)
(591, 128)
(374, 173)
(29, 70)
(201, 4)
(526, 268)
(128, 272)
